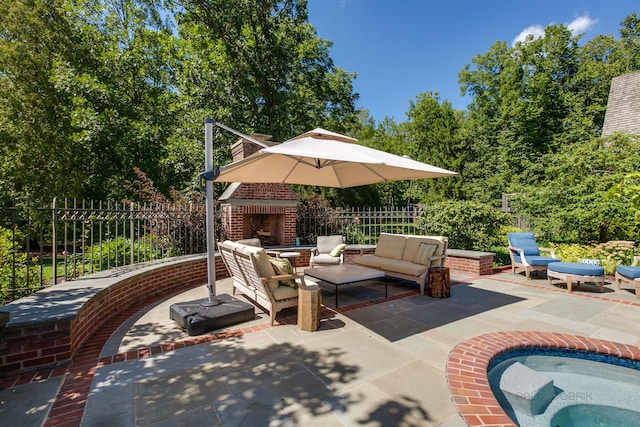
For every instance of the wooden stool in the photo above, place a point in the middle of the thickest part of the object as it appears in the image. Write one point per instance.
(309, 307)
(439, 282)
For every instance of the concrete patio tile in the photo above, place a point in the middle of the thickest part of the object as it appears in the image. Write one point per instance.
(163, 397)
(305, 398)
(388, 326)
(617, 336)
(369, 404)
(422, 386)
(350, 358)
(245, 378)
(253, 407)
(111, 406)
(572, 308)
(205, 415)
(28, 403)
(245, 350)
(426, 349)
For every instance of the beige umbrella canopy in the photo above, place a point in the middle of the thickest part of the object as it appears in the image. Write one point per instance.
(328, 159)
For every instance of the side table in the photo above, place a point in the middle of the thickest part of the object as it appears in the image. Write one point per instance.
(291, 256)
(439, 282)
(309, 307)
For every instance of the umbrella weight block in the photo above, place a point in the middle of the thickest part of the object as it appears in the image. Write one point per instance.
(197, 318)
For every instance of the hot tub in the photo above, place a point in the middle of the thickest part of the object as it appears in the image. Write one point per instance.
(561, 387)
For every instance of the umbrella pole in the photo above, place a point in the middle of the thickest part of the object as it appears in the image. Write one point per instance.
(211, 233)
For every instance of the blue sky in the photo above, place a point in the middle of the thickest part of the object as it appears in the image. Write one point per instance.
(400, 48)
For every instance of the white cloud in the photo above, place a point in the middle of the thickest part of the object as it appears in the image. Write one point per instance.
(581, 24)
(535, 30)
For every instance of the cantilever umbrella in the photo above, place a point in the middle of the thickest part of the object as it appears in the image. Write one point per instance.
(327, 159)
(318, 157)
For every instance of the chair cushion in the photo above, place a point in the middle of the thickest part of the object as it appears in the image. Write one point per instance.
(284, 292)
(524, 241)
(578, 269)
(390, 246)
(265, 269)
(540, 260)
(326, 259)
(337, 250)
(325, 244)
(628, 271)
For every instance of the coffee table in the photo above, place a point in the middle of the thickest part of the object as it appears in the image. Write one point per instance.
(346, 274)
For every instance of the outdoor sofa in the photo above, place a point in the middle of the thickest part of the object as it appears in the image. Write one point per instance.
(407, 257)
(254, 274)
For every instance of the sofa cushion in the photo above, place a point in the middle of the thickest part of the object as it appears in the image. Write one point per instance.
(404, 267)
(283, 266)
(369, 261)
(390, 246)
(284, 292)
(413, 242)
(424, 253)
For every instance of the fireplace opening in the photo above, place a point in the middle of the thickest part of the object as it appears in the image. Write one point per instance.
(269, 228)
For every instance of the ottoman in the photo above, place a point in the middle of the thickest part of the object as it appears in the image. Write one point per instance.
(570, 271)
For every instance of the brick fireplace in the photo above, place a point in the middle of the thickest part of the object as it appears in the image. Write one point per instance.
(263, 210)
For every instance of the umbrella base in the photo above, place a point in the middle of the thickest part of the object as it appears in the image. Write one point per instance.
(197, 317)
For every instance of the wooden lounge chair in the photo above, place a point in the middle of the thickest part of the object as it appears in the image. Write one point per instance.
(254, 276)
(629, 274)
(525, 254)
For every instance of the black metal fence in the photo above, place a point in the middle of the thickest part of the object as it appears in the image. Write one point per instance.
(45, 244)
(41, 245)
(358, 225)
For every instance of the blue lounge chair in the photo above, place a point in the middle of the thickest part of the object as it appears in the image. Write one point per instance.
(629, 274)
(525, 254)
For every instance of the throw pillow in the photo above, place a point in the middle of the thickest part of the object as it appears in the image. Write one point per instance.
(424, 253)
(283, 266)
(338, 250)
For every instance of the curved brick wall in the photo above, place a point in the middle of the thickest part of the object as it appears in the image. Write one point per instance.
(47, 329)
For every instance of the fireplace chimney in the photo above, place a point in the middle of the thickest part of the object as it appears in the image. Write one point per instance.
(263, 210)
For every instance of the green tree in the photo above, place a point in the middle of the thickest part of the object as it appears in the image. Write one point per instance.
(434, 133)
(259, 64)
(570, 202)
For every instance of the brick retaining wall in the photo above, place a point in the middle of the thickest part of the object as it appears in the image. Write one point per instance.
(46, 329)
(475, 262)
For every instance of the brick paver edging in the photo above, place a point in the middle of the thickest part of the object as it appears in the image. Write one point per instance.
(468, 362)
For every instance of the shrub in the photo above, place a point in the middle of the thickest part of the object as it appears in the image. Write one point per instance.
(610, 253)
(468, 224)
(15, 279)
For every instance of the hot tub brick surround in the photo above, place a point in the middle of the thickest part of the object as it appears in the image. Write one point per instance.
(468, 363)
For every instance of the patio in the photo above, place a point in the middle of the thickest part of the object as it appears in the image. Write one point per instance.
(374, 361)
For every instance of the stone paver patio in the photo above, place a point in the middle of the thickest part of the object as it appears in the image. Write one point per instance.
(374, 361)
